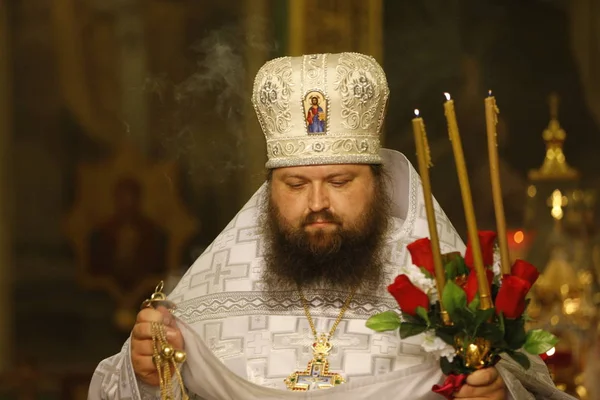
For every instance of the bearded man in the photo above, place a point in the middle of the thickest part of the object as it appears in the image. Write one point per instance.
(307, 260)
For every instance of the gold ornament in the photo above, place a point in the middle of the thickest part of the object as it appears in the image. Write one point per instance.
(167, 351)
(165, 357)
(555, 166)
(158, 298)
(179, 356)
(476, 354)
(317, 375)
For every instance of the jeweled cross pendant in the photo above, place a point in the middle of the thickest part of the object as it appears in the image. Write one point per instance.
(316, 375)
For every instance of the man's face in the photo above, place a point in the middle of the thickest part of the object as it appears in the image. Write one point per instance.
(322, 200)
(315, 101)
(324, 225)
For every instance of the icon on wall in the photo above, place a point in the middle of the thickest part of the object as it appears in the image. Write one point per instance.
(128, 228)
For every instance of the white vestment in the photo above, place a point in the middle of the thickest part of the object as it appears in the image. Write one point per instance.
(241, 342)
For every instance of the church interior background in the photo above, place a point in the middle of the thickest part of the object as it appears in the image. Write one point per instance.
(142, 108)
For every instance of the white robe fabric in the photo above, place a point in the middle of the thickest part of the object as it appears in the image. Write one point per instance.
(242, 341)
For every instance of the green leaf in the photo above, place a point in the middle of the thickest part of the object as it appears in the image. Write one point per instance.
(445, 336)
(421, 312)
(385, 321)
(453, 299)
(482, 316)
(426, 273)
(413, 319)
(490, 332)
(447, 333)
(520, 358)
(451, 262)
(464, 318)
(461, 267)
(539, 341)
(474, 304)
(451, 271)
(407, 329)
(455, 367)
(449, 257)
(447, 367)
(515, 334)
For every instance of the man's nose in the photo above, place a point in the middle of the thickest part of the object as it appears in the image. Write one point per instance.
(318, 199)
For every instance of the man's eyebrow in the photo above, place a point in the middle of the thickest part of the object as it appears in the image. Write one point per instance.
(287, 175)
(295, 175)
(340, 174)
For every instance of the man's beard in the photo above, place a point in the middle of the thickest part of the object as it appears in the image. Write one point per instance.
(350, 256)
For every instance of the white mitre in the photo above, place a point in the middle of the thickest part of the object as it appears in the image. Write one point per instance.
(347, 91)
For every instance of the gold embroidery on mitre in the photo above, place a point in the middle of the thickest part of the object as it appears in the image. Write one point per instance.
(321, 109)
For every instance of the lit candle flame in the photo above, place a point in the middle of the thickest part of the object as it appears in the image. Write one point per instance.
(416, 112)
(447, 95)
(490, 93)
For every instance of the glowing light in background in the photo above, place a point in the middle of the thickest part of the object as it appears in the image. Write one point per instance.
(518, 237)
(557, 205)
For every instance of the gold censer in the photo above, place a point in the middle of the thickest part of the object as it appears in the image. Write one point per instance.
(165, 357)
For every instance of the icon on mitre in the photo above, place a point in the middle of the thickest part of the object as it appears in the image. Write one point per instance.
(315, 106)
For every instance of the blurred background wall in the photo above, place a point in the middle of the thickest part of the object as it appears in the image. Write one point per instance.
(127, 142)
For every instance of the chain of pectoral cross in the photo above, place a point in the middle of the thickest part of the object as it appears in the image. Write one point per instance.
(338, 319)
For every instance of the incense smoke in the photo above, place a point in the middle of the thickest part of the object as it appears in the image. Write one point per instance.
(206, 112)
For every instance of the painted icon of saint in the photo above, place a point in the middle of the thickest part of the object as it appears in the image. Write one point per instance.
(315, 117)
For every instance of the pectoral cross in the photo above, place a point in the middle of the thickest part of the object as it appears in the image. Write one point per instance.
(316, 375)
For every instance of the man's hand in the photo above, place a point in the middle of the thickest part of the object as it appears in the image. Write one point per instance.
(483, 384)
(141, 342)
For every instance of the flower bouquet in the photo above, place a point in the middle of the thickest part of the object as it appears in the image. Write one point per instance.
(469, 308)
(476, 337)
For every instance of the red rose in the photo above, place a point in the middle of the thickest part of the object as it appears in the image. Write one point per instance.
(421, 255)
(471, 287)
(486, 242)
(511, 296)
(408, 296)
(526, 271)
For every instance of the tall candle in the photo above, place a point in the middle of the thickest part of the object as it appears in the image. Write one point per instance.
(465, 190)
(424, 162)
(491, 119)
